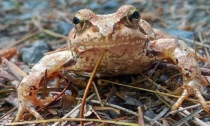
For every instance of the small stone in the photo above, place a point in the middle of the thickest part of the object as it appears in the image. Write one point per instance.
(29, 4)
(7, 5)
(93, 6)
(164, 77)
(111, 5)
(150, 113)
(32, 54)
(64, 27)
(132, 101)
(180, 33)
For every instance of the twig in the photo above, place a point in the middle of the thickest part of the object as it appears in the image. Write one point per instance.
(196, 42)
(195, 48)
(204, 71)
(15, 70)
(88, 87)
(27, 36)
(143, 89)
(7, 76)
(117, 107)
(206, 51)
(140, 117)
(186, 108)
(110, 94)
(96, 114)
(63, 91)
(7, 91)
(163, 100)
(73, 119)
(73, 110)
(37, 23)
(154, 69)
(195, 119)
(126, 110)
(8, 53)
(182, 121)
(53, 33)
(97, 94)
(44, 91)
(163, 112)
(157, 85)
(12, 110)
(184, 113)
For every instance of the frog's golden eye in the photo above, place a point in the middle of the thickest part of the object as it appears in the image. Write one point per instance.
(133, 17)
(79, 22)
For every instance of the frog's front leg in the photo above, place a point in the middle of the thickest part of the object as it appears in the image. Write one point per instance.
(184, 57)
(27, 97)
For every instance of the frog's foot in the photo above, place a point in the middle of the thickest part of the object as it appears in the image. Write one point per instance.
(31, 110)
(29, 106)
(191, 88)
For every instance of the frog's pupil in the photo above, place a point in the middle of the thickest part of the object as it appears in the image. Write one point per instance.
(76, 20)
(136, 15)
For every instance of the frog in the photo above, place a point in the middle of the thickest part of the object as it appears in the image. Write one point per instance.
(129, 45)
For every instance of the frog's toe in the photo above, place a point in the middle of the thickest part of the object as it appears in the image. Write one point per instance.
(178, 103)
(19, 114)
(188, 91)
(201, 100)
(30, 109)
(35, 113)
(28, 104)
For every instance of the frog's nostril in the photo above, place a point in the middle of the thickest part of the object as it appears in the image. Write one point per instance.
(117, 27)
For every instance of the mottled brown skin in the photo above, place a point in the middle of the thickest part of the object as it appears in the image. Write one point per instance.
(130, 45)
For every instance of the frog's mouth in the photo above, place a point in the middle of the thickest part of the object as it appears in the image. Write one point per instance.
(109, 45)
(107, 42)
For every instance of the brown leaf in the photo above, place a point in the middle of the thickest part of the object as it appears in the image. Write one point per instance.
(14, 69)
(8, 53)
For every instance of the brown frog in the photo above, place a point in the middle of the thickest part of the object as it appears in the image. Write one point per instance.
(129, 44)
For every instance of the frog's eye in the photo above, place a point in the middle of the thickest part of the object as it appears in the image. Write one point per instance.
(79, 22)
(133, 17)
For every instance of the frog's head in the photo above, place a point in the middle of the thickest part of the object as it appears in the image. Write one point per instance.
(105, 31)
